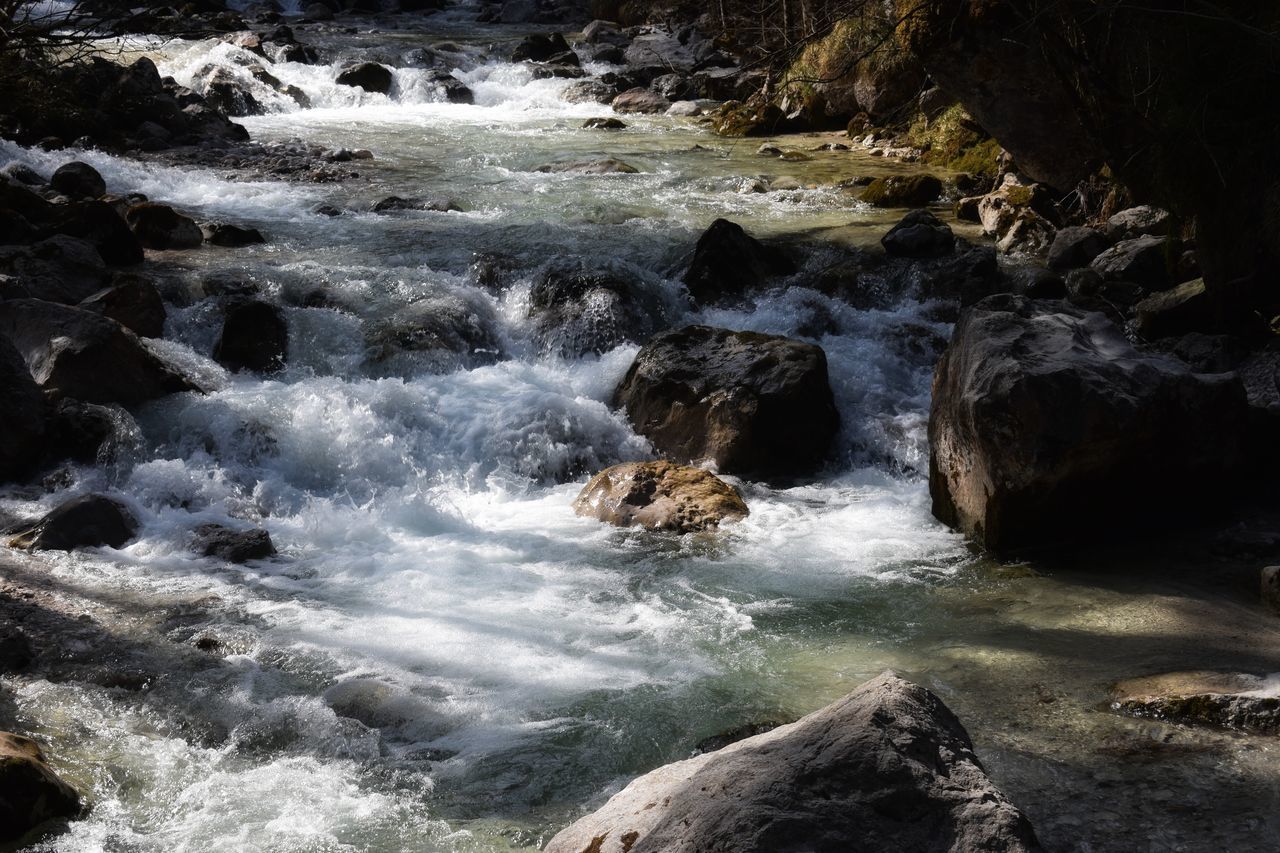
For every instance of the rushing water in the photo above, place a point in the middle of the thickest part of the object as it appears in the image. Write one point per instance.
(444, 657)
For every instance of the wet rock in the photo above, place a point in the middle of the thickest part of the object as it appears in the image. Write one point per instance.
(1141, 221)
(394, 202)
(89, 521)
(1229, 700)
(920, 234)
(1142, 260)
(1036, 282)
(226, 234)
(133, 302)
(540, 47)
(640, 100)
(727, 261)
(98, 223)
(720, 741)
(439, 333)
(903, 191)
(589, 311)
(1076, 247)
(660, 496)
(234, 546)
(76, 353)
(1047, 426)
(16, 651)
(226, 93)
(369, 76)
(255, 337)
(30, 792)
(1173, 312)
(80, 431)
(22, 427)
(887, 767)
(607, 166)
(748, 403)
(159, 226)
(59, 268)
(604, 124)
(78, 180)
(23, 174)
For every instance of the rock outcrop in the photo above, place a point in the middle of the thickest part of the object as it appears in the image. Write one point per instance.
(89, 521)
(30, 792)
(660, 496)
(748, 403)
(1048, 426)
(888, 767)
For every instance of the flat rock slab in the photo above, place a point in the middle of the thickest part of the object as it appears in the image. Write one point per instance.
(1231, 700)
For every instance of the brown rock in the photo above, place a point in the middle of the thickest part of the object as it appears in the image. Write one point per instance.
(30, 792)
(660, 496)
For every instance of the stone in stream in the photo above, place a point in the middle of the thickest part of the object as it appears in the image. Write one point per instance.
(1048, 426)
(30, 792)
(608, 166)
(59, 268)
(89, 521)
(254, 337)
(234, 546)
(887, 767)
(226, 234)
(159, 226)
(903, 191)
(394, 202)
(22, 426)
(76, 353)
(920, 234)
(369, 76)
(580, 311)
(660, 496)
(640, 100)
(746, 402)
(78, 180)
(727, 261)
(132, 301)
(604, 124)
(1230, 700)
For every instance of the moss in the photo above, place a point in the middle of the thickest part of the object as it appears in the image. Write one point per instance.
(903, 191)
(980, 159)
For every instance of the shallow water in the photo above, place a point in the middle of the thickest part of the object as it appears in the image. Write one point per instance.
(444, 657)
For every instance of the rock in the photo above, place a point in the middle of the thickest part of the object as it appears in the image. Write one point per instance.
(1141, 221)
(727, 261)
(1212, 353)
(133, 302)
(887, 767)
(98, 223)
(519, 12)
(590, 167)
(225, 234)
(540, 47)
(1038, 283)
(76, 353)
(226, 93)
(80, 431)
(903, 191)
(78, 180)
(439, 333)
(254, 337)
(660, 496)
(600, 31)
(1048, 426)
(16, 651)
(604, 124)
(369, 76)
(748, 403)
(1021, 216)
(89, 521)
(640, 100)
(1076, 247)
(589, 311)
(30, 792)
(1229, 700)
(59, 268)
(1173, 312)
(234, 546)
(22, 428)
(394, 202)
(159, 226)
(1271, 588)
(920, 234)
(1142, 260)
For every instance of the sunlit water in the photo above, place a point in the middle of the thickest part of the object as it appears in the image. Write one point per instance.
(443, 657)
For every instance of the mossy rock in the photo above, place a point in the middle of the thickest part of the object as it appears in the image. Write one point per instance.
(903, 191)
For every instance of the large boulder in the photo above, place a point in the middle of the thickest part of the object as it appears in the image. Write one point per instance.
(749, 403)
(887, 767)
(133, 301)
(255, 337)
(22, 415)
(89, 521)
(76, 353)
(727, 261)
(78, 180)
(369, 76)
(58, 268)
(1048, 426)
(30, 792)
(159, 226)
(589, 311)
(660, 496)
(920, 234)
(1143, 260)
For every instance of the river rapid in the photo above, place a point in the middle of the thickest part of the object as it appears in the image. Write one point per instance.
(443, 657)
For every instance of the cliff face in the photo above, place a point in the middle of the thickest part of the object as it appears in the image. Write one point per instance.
(1180, 103)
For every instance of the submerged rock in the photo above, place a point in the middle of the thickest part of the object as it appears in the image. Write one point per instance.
(1048, 426)
(234, 546)
(1229, 700)
(255, 337)
(439, 333)
(607, 166)
(76, 353)
(30, 792)
(581, 311)
(747, 402)
(660, 496)
(159, 226)
(888, 767)
(89, 521)
(727, 261)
